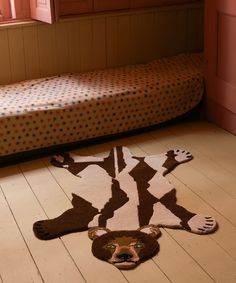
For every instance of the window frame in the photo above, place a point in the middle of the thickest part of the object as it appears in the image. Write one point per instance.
(49, 11)
(18, 10)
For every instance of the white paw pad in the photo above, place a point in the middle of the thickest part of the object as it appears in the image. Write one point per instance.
(202, 224)
(182, 155)
(59, 158)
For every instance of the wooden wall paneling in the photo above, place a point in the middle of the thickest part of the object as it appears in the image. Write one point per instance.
(86, 44)
(112, 41)
(195, 29)
(17, 54)
(47, 47)
(148, 23)
(93, 42)
(31, 50)
(135, 36)
(137, 44)
(5, 70)
(164, 33)
(73, 46)
(142, 37)
(62, 49)
(124, 40)
(99, 43)
(171, 32)
(156, 34)
(180, 31)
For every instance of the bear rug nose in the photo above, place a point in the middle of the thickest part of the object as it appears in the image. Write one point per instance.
(124, 256)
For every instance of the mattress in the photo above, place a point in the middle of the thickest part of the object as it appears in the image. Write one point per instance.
(68, 108)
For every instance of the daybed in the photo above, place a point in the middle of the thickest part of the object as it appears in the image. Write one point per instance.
(68, 108)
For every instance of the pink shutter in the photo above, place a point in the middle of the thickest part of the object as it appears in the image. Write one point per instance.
(42, 10)
(105, 5)
(73, 7)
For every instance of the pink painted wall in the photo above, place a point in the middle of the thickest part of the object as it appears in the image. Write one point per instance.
(220, 59)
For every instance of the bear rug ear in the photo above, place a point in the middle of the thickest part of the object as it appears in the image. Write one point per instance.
(151, 230)
(96, 232)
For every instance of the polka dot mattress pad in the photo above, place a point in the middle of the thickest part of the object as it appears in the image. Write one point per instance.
(73, 107)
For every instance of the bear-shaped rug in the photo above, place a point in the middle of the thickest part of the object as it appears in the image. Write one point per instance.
(122, 200)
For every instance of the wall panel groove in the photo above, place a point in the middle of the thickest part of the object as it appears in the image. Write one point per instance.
(17, 54)
(31, 51)
(5, 69)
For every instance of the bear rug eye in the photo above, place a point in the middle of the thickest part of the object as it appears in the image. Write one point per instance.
(138, 245)
(123, 200)
(110, 247)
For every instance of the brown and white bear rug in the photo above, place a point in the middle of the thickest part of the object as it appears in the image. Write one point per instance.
(123, 200)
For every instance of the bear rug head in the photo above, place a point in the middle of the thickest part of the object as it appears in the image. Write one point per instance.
(121, 200)
(124, 249)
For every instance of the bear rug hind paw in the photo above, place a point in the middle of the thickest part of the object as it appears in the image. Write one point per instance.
(122, 199)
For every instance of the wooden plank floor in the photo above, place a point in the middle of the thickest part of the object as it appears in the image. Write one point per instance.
(36, 190)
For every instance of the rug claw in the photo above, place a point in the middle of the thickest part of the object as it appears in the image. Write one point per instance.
(42, 230)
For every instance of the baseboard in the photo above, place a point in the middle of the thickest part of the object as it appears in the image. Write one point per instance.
(221, 116)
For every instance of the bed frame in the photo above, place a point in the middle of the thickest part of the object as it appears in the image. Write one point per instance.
(67, 109)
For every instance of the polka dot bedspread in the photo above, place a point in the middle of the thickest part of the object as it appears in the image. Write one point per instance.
(73, 107)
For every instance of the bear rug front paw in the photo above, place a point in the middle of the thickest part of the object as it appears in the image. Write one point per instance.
(202, 224)
(182, 155)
